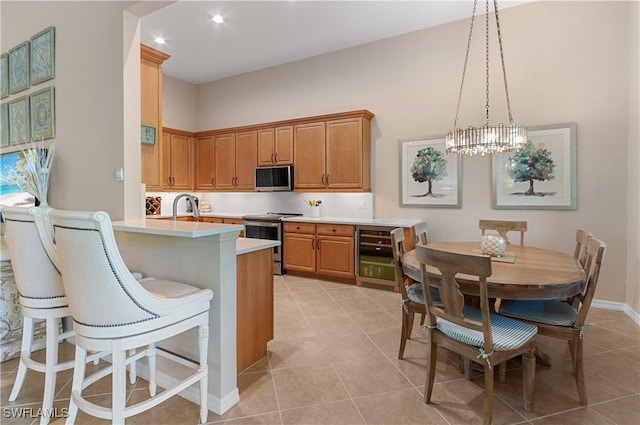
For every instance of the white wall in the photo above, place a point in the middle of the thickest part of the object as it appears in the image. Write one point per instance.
(560, 70)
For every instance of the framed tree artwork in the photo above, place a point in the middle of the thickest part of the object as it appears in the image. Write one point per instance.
(428, 176)
(542, 175)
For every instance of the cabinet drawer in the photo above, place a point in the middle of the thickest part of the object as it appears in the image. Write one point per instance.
(300, 227)
(336, 229)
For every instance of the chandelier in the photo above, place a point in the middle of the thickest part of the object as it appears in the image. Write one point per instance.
(487, 139)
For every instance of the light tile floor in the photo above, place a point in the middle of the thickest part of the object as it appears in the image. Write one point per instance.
(334, 361)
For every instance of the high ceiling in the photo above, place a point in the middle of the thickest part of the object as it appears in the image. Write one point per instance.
(261, 34)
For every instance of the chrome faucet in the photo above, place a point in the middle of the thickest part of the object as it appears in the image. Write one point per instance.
(194, 207)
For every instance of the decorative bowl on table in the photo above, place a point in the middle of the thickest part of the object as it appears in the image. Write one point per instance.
(493, 245)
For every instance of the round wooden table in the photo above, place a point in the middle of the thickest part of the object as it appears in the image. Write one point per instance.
(534, 274)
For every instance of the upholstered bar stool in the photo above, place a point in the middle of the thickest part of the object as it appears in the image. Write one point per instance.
(137, 314)
(41, 296)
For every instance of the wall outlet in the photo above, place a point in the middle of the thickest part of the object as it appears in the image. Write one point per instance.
(363, 205)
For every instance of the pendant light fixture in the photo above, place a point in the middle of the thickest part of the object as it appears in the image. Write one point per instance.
(487, 139)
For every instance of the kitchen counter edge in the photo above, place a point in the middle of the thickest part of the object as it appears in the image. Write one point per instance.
(386, 222)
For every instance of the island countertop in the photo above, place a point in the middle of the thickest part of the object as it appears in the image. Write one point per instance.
(184, 229)
(191, 229)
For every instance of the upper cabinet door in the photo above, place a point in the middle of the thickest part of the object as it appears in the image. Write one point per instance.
(284, 145)
(181, 162)
(309, 155)
(246, 159)
(344, 154)
(205, 165)
(225, 160)
(266, 147)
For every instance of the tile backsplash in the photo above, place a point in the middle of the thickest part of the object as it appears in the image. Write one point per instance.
(353, 205)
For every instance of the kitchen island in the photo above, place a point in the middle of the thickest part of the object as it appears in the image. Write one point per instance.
(212, 256)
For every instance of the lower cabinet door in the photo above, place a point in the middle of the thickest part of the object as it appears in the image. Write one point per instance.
(300, 252)
(336, 256)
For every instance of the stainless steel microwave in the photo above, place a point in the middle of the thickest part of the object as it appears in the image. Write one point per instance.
(274, 179)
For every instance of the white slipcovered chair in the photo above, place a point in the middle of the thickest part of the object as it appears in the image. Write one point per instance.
(114, 312)
(41, 296)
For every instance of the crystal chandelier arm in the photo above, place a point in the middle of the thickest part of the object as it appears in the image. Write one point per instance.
(504, 72)
(464, 68)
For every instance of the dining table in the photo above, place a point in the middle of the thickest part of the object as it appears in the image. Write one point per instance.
(522, 273)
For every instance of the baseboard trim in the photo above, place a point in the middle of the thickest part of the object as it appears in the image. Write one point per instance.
(610, 305)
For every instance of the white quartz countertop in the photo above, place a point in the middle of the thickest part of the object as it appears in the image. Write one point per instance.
(190, 229)
(388, 222)
(247, 245)
(184, 229)
(208, 214)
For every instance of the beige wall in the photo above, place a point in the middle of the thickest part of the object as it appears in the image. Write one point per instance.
(90, 135)
(179, 104)
(633, 243)
(560, 70)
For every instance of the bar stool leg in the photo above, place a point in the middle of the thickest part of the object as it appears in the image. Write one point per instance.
(76, 387)
(51, 359)
(203, 344)
(25, 350)
(151, 358)
(118, 379)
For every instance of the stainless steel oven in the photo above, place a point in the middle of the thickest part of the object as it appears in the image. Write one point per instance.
(268, 226)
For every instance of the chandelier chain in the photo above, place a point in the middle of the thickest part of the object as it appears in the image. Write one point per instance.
(504, 70)
(464, 68)
(486, 50)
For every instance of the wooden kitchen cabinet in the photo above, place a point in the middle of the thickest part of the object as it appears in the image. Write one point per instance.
(322, 249)
(333, 155)
(204, 148)
(236, 157)
(348, 150)
(177, 161)
(309, 156)
(151, 114)
(275, 146)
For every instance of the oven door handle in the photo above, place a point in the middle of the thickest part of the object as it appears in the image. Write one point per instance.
(261, 223)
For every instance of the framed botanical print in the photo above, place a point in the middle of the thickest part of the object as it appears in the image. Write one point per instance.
(43, 55)
(542, 175)
(19, 68)
(428, 176)
(19, 120)
(43, 114)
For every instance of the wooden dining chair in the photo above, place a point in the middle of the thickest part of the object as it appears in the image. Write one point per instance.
(412, 296)
(420, 233)
(563, 320)
(580, 253)
(476, 334)
(503, 227)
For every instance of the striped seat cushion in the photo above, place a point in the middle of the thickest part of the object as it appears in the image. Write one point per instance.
(415, 294)
(550, 312)
(507, 333)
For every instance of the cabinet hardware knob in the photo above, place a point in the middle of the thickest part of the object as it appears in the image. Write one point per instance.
(327, 179)
(276, 157)
(323, 180)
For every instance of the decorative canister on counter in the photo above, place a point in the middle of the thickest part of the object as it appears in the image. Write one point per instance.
(493, 245)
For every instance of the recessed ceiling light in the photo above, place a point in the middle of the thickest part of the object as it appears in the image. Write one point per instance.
(217, 19)
(159, 40)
